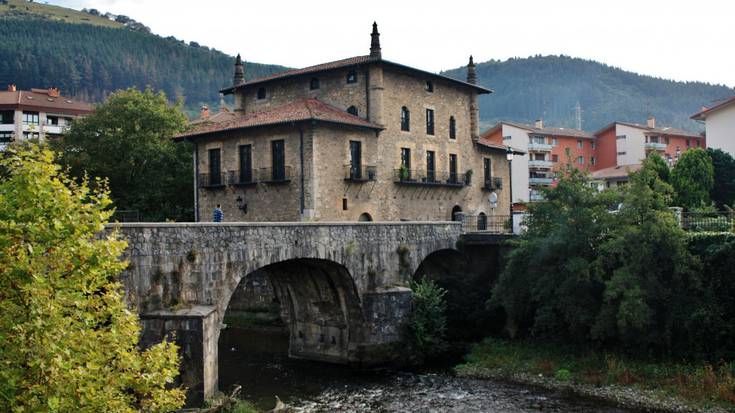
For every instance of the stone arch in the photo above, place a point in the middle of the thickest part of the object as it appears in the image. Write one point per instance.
(365, 217)
(481, 221)
(456, 210)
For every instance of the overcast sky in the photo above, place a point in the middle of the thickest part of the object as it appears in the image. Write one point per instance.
(674, 39)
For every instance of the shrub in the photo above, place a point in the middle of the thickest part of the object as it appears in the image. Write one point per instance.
(427, 321)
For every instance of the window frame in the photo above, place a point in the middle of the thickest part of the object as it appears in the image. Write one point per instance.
(351, 77)
(429, 86)
(452, 128)
(314, 83)
(261, 94)
(430, 122)
(405, 119)
(33, 115)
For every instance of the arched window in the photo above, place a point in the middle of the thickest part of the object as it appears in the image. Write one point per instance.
(352, 76)
(365, 217)
(352, 110)
(457, 213)
(452, 128)
(261, 93)
(314, 84)
(405, 119)
(429, 86)
(482, 222)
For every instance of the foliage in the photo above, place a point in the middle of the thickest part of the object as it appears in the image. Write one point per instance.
(81, 61)
(693, 178)
(723, 190)
(427, 321)
(67, 340)
(128, 141)
(655, 162)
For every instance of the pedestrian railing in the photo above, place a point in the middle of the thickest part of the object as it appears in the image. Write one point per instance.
(716, 221)
(495, 224)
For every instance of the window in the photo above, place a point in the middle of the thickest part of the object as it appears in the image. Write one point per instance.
(344, 204)
(5, 137)
(352, 110)
(580, 144)
(246, 163)
(6, 117)
(355, 160)
(429, 86)
(688, 143)
(30, 135)
(261, 93)
(351, 76)
(429, 121)
(278, 160)
(593, 145)
(487, 170)
(452, 128)
(554, 142)
(697, 143)
(406, 158)
(314, 84)
(567, 152)
(666, 140)
(30, 118)
(580, 160)
(52, 120)
(405, 119)
(538, 139)
(215, 171)
(620, 137)
(507, 138)
(592, 160)
(452, 168)
(554, 158)
(430, 166)
(539, 157)
(621, 153)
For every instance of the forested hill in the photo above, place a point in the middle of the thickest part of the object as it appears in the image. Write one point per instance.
(88, 61)
(550, 86)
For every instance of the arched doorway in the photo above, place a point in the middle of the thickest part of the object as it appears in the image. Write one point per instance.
(482, 222)
(365, 217)
(456, 213)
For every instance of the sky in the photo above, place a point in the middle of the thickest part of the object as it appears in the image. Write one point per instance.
(674, 39)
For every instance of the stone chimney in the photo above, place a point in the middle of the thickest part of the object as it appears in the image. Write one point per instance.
(11, 88)
(239, 77)
(651, 121)
(474, 106)
(539, 124)
(471, 73)
(375, 52)
(204, 114)
(54, 92)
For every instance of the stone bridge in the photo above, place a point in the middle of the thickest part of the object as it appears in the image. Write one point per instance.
(343, 287)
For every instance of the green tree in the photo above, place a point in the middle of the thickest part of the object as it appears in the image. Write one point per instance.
(723, 190)
(693, 178)
(67, 341)
(427, 321)
(655, 162)
(128, 141)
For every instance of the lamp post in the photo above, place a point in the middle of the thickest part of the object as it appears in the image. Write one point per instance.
(509, 157)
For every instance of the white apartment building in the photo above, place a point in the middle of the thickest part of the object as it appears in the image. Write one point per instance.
(719, 123)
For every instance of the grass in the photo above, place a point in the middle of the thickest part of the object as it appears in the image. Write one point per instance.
(247, 319)
(703, 383)
(21, 8)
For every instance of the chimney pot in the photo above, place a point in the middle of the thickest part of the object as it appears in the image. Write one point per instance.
(53, 92)
(539, 124)
(11, 88)
(651, 121)
(204, 114)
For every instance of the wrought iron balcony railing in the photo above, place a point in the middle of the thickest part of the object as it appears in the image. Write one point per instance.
(430, 178)
(212, 181)
(242, 177)
(274, 175)
(493, 183)
(362, 173)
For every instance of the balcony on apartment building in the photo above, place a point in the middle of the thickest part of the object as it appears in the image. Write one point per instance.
(493, 183)
(655, 146)
(540, 164)
(54, 129)
(539, 147)
(537, 180)
(429, 178)
(361, 173)
(536, 196)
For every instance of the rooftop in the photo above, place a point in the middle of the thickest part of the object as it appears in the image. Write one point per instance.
(298, 111)
(548, 131)
(666, 130)
(702, 115)
(616, 172)
(43, 100)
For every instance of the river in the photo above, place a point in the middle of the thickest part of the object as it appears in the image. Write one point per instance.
(258, 361)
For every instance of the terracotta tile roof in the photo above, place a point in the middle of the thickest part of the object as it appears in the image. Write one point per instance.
(297, 111)
(575, 133)
(616, 172)
(37, 100)
(702, 115)
(652, 131)
(350, 61)
(484, 142)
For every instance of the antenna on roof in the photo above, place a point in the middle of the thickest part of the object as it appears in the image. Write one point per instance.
(578, 115)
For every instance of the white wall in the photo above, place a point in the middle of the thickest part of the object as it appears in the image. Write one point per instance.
(632, 145)
(518, 140)
(720, 127)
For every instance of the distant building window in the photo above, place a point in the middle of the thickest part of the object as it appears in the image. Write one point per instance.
(580, 144)
(429, 86)
(507, 138)
(31, 135)
(429, 121)
(215, 167)
(405, 119)
(406, 158)
(6, 117)
(554, 158)
(688, 143)
(580, 160)
(52, 120)
(553, 142)
(593, 145)
(666, 140)
(620, 137)
(592, 160)
(314, 84)
(621, 153)
(568, 151)
(6, 137)
(697, 143)
(261, 93)
(538, 139)
(30, 118)
(352, 110)
(452, 168)
(246, 163)
(452, 128)
(351, 76)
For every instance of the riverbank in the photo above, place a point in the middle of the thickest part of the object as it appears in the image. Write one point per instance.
(661, 386)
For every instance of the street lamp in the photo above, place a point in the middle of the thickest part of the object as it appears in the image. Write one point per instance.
(509, 157)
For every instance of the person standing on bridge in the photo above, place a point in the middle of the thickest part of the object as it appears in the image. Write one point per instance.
(219, 216)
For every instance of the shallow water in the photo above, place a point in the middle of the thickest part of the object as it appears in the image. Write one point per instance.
(258, 361)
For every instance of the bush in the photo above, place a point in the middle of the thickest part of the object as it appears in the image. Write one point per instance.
(427, 321)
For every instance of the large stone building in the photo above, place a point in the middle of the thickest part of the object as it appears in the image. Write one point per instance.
(36, 114)
(361, 138)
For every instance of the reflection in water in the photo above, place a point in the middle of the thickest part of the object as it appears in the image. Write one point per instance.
(258, 361)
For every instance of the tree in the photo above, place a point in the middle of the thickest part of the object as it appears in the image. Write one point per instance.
(723, 190)
(428, 321)
(655, 162)
(128, 141)
(692, 178)
(67, 340)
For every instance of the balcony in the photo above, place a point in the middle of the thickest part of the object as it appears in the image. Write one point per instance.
(54, 129)
(540, 181)
(211, 181)
(535, 197)
(9, 127)
(539, 147)
(540, 164)
(274, 175)
(360, 173)
(655, 146)
(430, 178)
(242, 177)
(493, 183)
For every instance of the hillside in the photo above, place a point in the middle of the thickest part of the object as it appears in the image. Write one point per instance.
(26, 9)
(88, 61)
(550, 86)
